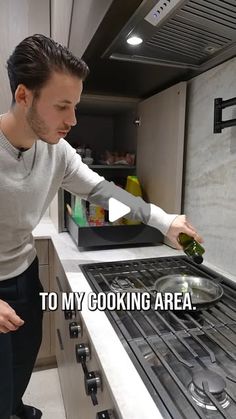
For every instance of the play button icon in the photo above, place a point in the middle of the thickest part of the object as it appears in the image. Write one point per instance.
(117, 209)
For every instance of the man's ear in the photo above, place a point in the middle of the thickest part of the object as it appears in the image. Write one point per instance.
(23, 96)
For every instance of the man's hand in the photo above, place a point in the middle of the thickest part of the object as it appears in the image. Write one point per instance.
(181, 225)
(9, 321)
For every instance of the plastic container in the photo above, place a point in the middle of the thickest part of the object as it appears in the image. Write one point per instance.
(96, 215)
(79, 212)
(132, 186)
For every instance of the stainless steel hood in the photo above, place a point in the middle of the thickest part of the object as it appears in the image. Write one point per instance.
(191, 34)
(181, 39)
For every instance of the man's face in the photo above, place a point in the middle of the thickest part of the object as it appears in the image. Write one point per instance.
(52, 114)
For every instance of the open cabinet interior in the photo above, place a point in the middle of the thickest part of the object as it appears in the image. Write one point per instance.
(126, 138)
(106, 132)
(105, 124)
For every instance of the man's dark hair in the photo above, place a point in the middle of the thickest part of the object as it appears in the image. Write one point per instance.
(35, 58)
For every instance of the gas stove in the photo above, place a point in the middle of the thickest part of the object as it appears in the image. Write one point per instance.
(187, 360)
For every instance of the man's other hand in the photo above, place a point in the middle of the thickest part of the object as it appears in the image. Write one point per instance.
(9, 321)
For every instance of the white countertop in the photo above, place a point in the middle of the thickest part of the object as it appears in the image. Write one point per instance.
(70, 255)
(132, 397)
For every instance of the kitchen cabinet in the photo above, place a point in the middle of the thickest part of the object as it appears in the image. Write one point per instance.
(160, 147)
(45, 254)
(153, 129)
(61, 351)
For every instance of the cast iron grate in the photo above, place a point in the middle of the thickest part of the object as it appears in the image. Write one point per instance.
(171, 348)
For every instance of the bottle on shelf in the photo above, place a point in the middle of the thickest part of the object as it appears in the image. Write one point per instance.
(133, 186)
(191, 247)
(87, 158)
(96, 215)
(79, 212)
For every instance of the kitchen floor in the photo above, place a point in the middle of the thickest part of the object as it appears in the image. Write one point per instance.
(44, 392)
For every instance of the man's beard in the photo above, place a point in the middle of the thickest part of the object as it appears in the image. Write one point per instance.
(36, 123)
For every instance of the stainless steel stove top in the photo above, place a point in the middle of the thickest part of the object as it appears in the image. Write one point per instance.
(187, 360)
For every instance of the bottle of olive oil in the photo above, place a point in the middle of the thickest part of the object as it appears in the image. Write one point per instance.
(191, 247)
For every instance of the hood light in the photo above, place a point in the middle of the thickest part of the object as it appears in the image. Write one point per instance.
(134, 40)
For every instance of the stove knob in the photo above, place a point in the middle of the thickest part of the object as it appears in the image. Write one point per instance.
(69, 314)
(105, 414)
(92, 381)
(82, 353)
(75, 330)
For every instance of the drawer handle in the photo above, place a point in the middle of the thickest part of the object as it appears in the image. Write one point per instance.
(59, 284)
(60, 340)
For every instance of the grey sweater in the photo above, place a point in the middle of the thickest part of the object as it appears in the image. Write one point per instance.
(30, 181)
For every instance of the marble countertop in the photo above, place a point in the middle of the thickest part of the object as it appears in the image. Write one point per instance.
(131, 395)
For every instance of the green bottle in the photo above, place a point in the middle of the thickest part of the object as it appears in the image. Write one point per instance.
(191, 247)
(79, 212)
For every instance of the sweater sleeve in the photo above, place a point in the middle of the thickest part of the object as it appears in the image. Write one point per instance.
(140, 210)
(80, 180)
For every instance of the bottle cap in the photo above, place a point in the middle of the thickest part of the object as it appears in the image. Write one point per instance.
(198, 259)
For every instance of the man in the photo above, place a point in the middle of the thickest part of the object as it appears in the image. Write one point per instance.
(46, 82)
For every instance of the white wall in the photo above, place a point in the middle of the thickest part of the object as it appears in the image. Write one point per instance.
(210, 176)
(87, 15)
(18, 19)
(60, 20)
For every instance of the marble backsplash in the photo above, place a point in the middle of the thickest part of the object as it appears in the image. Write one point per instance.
(210, 169)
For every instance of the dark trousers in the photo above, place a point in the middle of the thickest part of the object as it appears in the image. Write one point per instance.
(19, 349)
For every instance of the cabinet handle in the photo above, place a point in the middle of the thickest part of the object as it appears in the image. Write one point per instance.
(60, 340)
(105, 414)
(59, 284)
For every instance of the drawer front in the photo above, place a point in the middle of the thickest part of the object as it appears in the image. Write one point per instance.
(42, 249)
(44, 277)
(45, 256)
(45, 349)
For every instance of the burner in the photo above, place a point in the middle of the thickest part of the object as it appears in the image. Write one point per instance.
(120, 284)
(177, 318)
(195, 315)
(216, 385)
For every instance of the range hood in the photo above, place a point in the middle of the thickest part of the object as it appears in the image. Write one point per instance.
(190, 34)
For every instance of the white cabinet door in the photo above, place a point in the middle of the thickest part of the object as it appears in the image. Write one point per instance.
(160, 147)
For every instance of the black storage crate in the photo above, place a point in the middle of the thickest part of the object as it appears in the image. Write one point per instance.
(112, 235)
